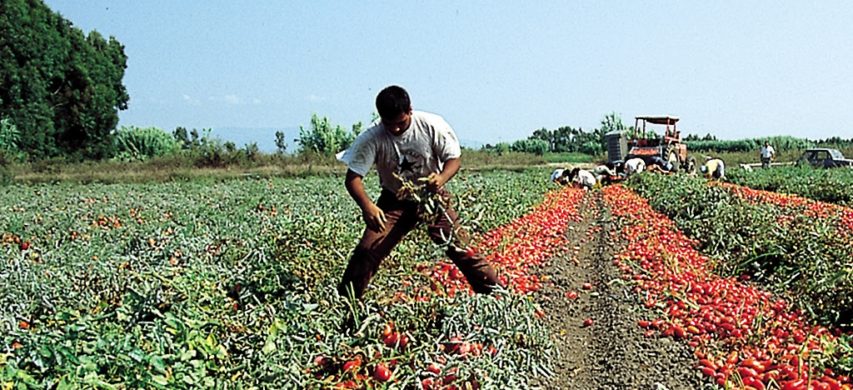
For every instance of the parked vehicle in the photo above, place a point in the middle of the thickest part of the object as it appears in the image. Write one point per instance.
(824, 158)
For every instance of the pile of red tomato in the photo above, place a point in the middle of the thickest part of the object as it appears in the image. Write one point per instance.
(742, 336)
(517, 248)
(811, 207)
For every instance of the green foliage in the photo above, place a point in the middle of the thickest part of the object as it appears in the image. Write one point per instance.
(611, 122)
(324, 138)
(787, 248)
(825, 185)
(780, 143)
(567, 139)
(61, 88)
(232, 285)
(280, 142)
(534, 146)
(133, 143)
(182, 137)
(10, 137)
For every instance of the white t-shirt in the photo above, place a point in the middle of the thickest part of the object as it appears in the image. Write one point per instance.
(635, 165)
(767, 151)
(556, 174)
(420, 151)
(585, 178)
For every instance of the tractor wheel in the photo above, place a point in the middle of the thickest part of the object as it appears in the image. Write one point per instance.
(690, 167)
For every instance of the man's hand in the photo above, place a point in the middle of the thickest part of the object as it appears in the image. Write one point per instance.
(374, 217)
(435, 181)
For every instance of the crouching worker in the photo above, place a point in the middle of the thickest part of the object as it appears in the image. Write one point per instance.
(560, 176)
(606, 174)
(659, 165)
(417, 147)
(581, 178)
(714, 168)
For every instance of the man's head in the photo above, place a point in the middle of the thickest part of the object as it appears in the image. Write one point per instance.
(766, 143)
(395, 109)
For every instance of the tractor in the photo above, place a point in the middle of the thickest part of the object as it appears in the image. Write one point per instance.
(622, 146)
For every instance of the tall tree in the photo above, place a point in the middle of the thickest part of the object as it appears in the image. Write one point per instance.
(61, 88)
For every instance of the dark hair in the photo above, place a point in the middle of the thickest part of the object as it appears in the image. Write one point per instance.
(393, 101)
(574, 173)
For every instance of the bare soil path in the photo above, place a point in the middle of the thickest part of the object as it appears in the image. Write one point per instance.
(599, 342)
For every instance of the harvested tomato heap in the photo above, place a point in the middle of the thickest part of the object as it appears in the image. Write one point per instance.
(520, 246)
(742, 335)
(811, 207)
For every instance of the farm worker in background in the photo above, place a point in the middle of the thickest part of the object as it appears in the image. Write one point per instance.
(634, 165)
(582, 178)
(714, 168)
(605, 174)
(658, 164)
(560, 176)
(767, 154)
(414, 146)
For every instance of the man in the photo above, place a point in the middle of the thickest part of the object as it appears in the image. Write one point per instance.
(417, 147)
(767, 154)
(658, 164)
(581, 178)
(634, 165)
(605, 174)
(714, 168)
(560, 176)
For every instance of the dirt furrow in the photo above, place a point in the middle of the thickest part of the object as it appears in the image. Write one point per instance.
(593, 315)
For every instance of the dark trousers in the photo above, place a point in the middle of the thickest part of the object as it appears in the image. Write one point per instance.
(401, 217)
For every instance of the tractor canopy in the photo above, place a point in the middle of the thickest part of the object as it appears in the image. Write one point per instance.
(659, 120)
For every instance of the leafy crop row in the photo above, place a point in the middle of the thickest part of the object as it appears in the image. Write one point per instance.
(743, 337)
(825, 185)
(232, 285)
(803, 247)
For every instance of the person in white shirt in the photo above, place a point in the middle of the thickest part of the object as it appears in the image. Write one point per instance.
(714, 168)
(767, 154)
(583, 178)
(560, 176)
(417, 147)
(634, 165)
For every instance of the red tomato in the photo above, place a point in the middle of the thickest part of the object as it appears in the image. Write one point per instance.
(381, 373)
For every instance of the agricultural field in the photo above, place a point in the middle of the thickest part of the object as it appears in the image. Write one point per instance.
(666, 281)
(825, 185)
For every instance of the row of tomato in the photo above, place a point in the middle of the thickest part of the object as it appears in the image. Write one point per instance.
(825, 185)
(468, 353)
(787, 243)
(232, 284)
(743, 337)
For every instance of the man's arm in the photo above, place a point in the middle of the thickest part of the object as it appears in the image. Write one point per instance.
(373, 216)
(437, 181)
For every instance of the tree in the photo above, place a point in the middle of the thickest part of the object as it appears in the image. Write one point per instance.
(61, 88)
(324, 138)
(182, 137)
(280, 143)
(534, 146)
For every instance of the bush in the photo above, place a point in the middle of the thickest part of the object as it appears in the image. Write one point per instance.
(780, 143)
(137, 144)
(324, 138)
(534, 146)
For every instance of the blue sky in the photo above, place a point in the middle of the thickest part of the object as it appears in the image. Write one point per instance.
(496, 70)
